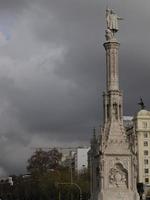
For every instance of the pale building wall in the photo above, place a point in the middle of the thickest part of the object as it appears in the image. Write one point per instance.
(81, 158)
(142, 129)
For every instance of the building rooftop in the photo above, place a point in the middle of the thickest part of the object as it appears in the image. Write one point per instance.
(143, 113)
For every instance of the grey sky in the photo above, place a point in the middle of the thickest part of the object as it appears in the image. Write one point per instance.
(52, 71)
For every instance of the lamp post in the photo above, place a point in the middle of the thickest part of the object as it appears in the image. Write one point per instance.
(75, 184)
(71, 177)
(140, 189)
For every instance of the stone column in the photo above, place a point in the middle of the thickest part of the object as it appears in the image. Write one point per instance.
(112, 79)
(113, 96)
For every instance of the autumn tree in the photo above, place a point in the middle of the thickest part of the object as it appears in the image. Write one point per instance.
(48, 176)
(44, 161)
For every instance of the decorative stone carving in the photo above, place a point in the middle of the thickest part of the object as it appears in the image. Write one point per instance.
(118, 177)
(125, 164)
(108, 35)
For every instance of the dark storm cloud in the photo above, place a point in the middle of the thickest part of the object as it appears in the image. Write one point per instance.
(14, 5)
(52, 71)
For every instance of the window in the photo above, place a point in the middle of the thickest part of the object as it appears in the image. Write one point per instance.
(145, 161)
(145, 143)
(146, 171)
(144, 124)
(145, 152)
(146, 180)
(145, 135)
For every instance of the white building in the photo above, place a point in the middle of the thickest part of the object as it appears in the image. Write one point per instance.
(80, 159)
(142, 130)
(5, 180)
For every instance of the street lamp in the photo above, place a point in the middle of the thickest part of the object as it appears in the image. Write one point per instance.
(75, 184)
(71, 177)
(140, 189)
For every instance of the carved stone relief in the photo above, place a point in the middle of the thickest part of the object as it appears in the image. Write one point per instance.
(118, 177)
(125, 163)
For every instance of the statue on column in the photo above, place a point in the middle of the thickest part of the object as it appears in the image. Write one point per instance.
(112, 23)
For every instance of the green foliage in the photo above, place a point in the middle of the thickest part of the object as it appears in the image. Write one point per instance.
(46, 181)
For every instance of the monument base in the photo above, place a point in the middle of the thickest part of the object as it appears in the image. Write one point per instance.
(118, 195)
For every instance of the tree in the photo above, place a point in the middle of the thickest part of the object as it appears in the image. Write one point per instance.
(44, 161)
(47, 178)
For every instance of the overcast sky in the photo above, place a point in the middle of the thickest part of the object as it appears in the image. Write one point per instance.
(52, 71)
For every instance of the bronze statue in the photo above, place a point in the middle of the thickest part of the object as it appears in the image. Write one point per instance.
(141, 103)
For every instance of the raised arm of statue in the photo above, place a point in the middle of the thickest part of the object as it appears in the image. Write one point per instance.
(120, 18)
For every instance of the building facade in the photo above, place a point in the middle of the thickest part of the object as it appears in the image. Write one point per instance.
(80, 159)
(113, 162)
(142, 129)
(75, 158)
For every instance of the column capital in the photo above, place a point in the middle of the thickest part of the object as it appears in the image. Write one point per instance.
(111, 45)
